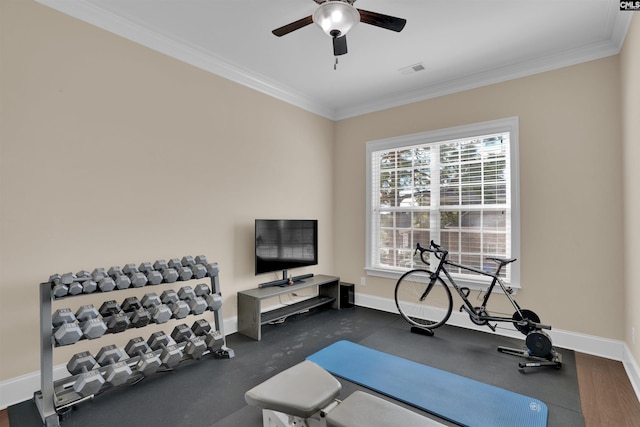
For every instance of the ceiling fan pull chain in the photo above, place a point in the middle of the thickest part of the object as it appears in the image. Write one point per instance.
(335, 66)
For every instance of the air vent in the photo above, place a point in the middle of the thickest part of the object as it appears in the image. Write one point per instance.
(411, 69)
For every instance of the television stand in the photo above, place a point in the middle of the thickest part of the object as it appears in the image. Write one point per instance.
(250, 315)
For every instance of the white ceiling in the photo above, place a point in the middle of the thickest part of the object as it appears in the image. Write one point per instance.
(461, 43)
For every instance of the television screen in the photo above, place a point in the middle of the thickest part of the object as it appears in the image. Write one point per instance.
(282, 244)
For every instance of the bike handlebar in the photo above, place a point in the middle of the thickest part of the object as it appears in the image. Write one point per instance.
(433, 248)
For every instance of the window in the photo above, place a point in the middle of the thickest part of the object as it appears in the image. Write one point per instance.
(457, 187)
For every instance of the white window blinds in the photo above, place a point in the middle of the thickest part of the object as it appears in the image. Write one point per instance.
(457, 192)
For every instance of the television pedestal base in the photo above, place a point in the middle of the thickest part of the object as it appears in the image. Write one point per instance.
(286, 282)
(250, 315)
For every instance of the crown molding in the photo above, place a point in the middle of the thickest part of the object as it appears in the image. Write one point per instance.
(108, 21)
(602, 49)
(616, 29)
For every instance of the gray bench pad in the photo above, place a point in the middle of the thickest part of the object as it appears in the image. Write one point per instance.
(301, 390)
(365, 410)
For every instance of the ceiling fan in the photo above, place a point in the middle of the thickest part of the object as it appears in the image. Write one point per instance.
(337, 17)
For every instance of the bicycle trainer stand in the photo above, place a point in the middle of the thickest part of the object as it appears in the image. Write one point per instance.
(539, 352)
(422, 331)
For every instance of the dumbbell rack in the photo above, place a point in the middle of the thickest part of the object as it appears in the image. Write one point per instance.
(55, 398)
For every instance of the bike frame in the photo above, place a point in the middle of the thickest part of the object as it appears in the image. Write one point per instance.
(476, 316)
(418, 314)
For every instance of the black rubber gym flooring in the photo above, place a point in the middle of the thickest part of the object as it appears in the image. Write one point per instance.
(210, 393)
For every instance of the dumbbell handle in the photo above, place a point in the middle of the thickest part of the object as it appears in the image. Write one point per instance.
(118, 273)
(141, 353)
(74, 279)
(84, 370)
(162, 345)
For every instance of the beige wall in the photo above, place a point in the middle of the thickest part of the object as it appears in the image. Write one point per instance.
(630, 70)
(570, 188)
(113, 153)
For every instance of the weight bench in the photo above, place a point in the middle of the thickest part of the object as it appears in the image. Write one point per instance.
(305, 395)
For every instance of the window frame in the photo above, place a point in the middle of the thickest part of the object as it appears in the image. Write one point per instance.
(511, 125)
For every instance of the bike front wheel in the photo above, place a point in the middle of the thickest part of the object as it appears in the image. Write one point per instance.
(429, 312)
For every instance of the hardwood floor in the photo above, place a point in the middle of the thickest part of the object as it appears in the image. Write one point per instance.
(606, 394)
(4, 418)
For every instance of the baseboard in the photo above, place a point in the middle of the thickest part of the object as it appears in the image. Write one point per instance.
(633, 371)
(19, 389)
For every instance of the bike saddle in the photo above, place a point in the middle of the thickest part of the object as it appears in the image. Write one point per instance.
(502, 261)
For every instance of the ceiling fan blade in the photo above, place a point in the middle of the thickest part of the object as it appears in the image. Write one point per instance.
(339, 45)
(286, 29)
(383, 21)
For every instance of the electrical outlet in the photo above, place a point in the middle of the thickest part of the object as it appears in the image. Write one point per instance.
(363, 281)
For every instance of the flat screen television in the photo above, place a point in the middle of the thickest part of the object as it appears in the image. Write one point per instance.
(283, 244)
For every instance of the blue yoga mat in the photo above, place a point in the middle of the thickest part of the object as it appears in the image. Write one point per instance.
(455, 398)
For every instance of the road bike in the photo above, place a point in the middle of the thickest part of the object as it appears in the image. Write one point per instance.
(425, 301)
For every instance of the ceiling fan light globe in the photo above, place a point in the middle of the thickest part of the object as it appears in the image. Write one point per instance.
(334, 16)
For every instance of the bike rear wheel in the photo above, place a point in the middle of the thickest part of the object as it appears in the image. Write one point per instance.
(431, 312)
